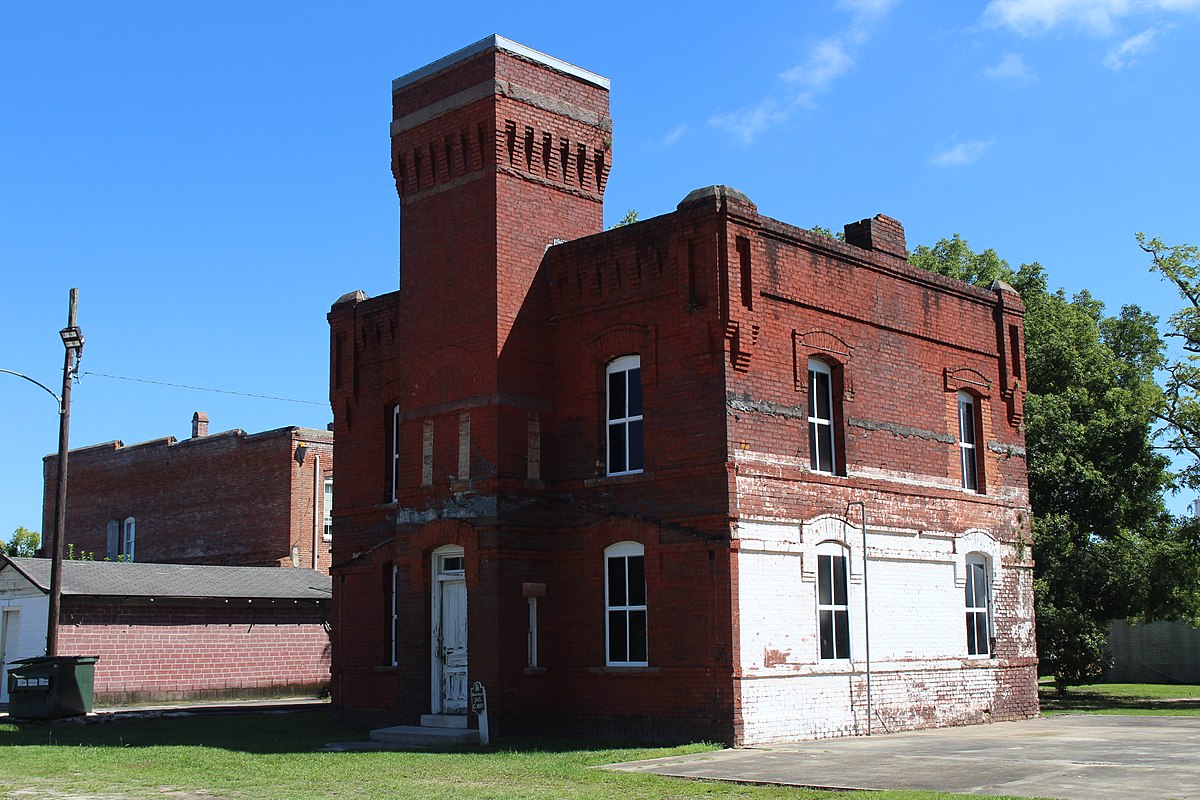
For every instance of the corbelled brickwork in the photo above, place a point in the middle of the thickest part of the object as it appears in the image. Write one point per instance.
(474, 447)
(229, 498)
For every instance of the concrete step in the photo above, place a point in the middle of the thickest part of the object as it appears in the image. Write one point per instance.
(423, 736)
(443, 720)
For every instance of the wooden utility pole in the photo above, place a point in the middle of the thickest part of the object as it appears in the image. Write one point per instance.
(72, 338)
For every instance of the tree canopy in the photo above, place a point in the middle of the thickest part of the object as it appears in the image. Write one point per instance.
(1102, 536)
(1180, 264)
(24, 543)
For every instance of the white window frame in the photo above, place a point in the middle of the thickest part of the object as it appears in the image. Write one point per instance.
(820, 429)
(395, 461)
(327, 509)
(128, 538)
(828, 603)
(622, 608)
(620, 422)
(968, 437)
(978, 607)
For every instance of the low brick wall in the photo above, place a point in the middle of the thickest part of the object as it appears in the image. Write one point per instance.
(203, 650)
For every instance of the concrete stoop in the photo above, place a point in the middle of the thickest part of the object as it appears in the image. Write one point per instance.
(436, 732)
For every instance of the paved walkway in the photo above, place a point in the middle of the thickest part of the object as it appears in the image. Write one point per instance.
(1080, 757)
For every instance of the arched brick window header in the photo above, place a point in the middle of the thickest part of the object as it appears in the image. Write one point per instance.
(626, 340)
(965, 379)
(620, 340)
(827, 348)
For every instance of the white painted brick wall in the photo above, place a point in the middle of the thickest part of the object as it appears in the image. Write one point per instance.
(921, 675)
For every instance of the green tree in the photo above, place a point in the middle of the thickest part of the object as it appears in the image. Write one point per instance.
(23, 544)
(1180, 264)
(828, 233)
(1096, 480)
(631, 216)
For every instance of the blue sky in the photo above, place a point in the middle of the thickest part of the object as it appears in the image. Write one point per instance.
(212, 176)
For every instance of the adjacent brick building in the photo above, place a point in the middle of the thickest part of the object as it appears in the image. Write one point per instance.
(230, 498)
(170, 632)
(621, 478)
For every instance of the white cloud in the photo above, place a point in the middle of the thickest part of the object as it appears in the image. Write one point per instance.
(867, 8)
(827, 61)
(1011, 68)
(1097, 17)
(674, 135)
(1127, 51)
(961, 154)
(749, 122)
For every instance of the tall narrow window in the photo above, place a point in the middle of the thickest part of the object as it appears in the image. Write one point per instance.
(391, 576)
(625, 602)
(978, 605)
(531, 649)
(624, 415)
(820, 416)
(128, 533)
(114, 540)
(833, 608)
(328, 509)
(966, 441)
(394, 469)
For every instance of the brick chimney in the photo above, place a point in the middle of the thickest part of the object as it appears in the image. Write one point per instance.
(199, 424)
(881, 233)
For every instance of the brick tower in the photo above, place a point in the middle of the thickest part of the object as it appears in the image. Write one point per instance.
(440, 390)
(497, 151)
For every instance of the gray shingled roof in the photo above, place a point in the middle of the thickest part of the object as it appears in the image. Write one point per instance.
(114, 579)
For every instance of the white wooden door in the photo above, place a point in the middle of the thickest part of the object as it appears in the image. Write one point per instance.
(450, 633)
(10, 628)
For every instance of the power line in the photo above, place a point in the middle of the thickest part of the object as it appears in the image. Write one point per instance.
(205, 389)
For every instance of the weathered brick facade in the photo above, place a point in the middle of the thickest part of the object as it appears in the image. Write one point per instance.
(230, 498)
(470, 412)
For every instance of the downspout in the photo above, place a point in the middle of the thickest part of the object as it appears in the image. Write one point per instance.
(318, 512)
(866, 603)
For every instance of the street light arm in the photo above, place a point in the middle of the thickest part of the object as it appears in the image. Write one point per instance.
(57, 399)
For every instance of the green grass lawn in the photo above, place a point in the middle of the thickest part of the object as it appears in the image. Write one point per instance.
(1121, 698)
(247, 756)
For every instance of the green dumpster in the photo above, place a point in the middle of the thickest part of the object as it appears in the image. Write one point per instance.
(49, 687)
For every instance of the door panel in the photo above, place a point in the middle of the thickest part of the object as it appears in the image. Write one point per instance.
(454, 646)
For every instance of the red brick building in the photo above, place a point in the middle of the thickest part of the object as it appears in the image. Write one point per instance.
(231, 498)
(170, 632)
(708, 475)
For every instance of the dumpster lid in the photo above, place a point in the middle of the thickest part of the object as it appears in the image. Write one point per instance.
(41, 659)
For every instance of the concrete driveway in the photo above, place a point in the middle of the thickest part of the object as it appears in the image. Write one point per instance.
(1081, 757)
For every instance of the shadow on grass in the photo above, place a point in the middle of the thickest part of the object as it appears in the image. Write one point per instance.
(261, 732)
(1078, 699)
(249, 732)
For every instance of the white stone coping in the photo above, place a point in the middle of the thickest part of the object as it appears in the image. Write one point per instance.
(500, 43)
